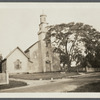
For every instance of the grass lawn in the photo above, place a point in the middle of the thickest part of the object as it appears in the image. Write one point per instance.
(92, 87)
(44, 76)
(12, 84)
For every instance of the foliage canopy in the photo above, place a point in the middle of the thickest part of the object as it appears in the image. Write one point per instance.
(77, 42)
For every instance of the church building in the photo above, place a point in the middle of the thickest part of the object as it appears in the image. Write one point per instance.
(41, 54)
(39, 57)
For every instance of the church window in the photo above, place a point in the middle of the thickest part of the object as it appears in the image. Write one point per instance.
(35, 54)
(48, 62)
(47, 54)
(17, 64)
(46, 44)
(44, 19)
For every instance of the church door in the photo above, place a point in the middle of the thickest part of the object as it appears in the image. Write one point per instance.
(48, 66)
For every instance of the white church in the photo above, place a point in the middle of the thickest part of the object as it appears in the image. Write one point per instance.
(39, 57)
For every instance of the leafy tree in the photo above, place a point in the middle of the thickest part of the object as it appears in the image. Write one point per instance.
(74, 42)
(92, 44)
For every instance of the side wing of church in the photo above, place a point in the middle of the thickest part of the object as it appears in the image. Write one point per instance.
(16, 62)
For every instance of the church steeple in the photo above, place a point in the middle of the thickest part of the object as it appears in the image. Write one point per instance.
(45, 52)
(42, 19)
(43, 24)
(42, 44)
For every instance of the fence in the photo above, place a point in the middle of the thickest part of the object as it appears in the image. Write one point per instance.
(4, 79)
(74, 69)
(93, 69)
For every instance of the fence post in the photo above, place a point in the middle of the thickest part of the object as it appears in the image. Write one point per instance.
(7, 77)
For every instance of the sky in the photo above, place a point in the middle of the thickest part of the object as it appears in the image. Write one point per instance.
(19, 22)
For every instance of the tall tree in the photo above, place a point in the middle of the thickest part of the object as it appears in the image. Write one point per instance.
(73, 41)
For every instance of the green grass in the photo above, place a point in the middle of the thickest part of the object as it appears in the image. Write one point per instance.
(13, 84)
(92, 87)
(44, 76)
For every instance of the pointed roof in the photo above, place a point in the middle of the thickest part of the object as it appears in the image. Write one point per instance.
(14, 50)
(31, 46)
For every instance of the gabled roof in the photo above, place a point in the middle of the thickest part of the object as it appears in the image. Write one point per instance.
(14, 50)
(31, 46)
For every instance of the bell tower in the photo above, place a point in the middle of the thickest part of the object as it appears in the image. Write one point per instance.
(43, 24)
(43, 18)
(44, 51)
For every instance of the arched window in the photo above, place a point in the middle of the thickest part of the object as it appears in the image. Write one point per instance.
(48, 62)
(17, 64)
(35, 54)
(44, 19)
(47, 54)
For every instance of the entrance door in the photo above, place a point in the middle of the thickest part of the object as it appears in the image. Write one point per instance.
(48, 66)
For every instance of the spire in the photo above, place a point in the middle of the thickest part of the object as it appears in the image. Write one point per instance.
(43, 24)
(43, 17)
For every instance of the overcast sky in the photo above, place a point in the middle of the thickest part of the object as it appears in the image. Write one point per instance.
(19, 22)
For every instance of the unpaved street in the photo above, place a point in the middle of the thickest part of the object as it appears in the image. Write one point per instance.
(60, 85)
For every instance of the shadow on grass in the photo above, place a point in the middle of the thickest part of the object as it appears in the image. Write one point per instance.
(92, 87)
(12, 84)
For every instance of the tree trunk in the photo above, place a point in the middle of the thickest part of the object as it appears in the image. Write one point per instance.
(77, 69)
(64, 66)
(69, 66)
(68, 58)
(85, 68)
